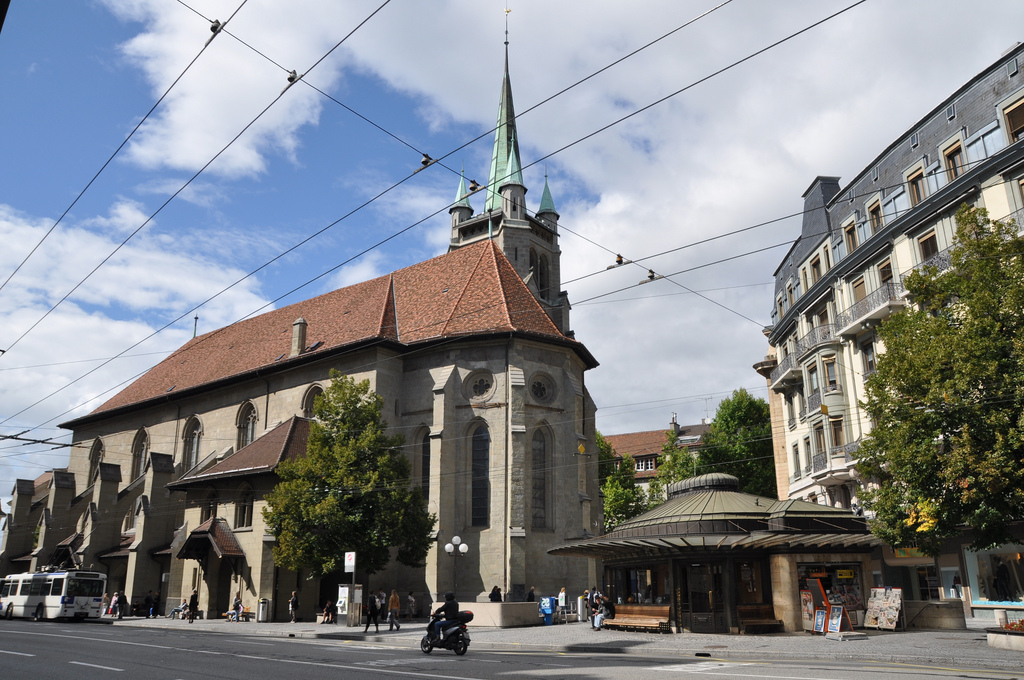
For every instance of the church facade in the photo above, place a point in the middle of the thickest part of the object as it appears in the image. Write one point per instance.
(478, 369)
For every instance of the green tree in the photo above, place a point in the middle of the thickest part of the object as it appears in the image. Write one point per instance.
(947, 398)
(350, 492)
(738, 442)
(623, 498)
(605, 457)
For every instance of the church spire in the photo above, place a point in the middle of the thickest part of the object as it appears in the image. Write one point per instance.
(547, 204)
(506, 144)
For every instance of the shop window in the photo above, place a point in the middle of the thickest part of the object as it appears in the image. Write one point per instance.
(997, 575)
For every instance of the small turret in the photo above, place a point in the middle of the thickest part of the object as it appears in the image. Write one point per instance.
(512, 189)
(547, 213)
(461, 210)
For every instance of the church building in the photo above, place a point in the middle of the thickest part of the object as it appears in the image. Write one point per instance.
(473, 355)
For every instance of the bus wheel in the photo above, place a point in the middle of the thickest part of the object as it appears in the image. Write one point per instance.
(39, 614)
(10, 612)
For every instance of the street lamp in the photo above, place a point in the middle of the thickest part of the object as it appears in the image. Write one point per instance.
(456, 549)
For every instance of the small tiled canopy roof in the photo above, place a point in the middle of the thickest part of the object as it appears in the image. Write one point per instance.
(709, 513)
(287, 441)
(467, 292)
(213, 533)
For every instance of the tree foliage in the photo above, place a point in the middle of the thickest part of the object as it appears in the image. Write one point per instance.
(947, 398)
(624, 499)
(350, 492)
(738, 442)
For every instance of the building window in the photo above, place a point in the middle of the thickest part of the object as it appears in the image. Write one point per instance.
(95, 458)
(782, 309)
(812, 378)
(789, 293)
(831, 377)
(243, 508)
(838, 438)
(140, 453)
(208, 506)
(858, 290)
(247, 419)
(540, 479)
(803, 277)
(796, 460)
(1015, 121)
(885, 272)
(191, 442)
(425, 466)
(815, 270)
(819, 438)
(850, 236)
(480, 496)
(953, 158)
(868, 351)
(929, 246)
(807, 454)
(309, 401)
(916, 185)
(875, 216)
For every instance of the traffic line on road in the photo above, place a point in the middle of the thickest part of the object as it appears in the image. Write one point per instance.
(92, 665)
(4, 651)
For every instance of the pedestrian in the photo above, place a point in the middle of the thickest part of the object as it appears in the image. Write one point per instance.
(106, 603)
(411, 601)
(156, 604)
(122, 604)
(531, 596)
(293, 606)
(495, 595)
(193, 605)
(236, 607)
(394, 606)
(372, 612)
(328, 613)
(147, 603)
(606, 611)
(113, 604)
(585, 606)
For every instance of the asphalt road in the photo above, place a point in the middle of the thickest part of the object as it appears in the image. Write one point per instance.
(44, 651)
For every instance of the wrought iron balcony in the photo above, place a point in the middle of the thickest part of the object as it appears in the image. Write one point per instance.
(787, 372)
(820, 462)
(878, 304)
(824, 334)
(814, 402)
(940, 261)
(792, 423)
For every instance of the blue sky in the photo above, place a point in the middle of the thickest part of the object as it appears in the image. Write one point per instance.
(736, 150)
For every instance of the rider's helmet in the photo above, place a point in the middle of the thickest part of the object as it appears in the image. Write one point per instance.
(449, 596)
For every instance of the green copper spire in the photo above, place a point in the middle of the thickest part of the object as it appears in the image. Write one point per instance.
(513, 173)
(505, 144)
(547, 205)
(462, 195)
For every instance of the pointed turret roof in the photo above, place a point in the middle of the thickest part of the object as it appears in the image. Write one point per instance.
(506, 145)
(513, 173)
(547, 204)
(462, 195)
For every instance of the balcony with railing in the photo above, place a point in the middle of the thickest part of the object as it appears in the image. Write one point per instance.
(880, 303)
(814, 401)
(785, 374)
(835, 464)
(817, 337)
(940, 261)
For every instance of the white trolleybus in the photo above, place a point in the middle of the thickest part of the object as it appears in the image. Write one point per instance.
(53, 595)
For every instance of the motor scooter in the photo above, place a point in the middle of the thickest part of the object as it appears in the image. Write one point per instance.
(454, 635)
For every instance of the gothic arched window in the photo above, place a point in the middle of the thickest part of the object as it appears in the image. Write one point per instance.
(481, 477)
(247, 419)
(309, 401)
(140, 452)
(540, 480)
(95, 458)
(191, 443)
(425, 465)
(208, 506)
(243, 508)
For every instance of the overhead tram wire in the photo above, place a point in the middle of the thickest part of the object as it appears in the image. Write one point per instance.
(402, 231)
(291, 81)
(217, 28)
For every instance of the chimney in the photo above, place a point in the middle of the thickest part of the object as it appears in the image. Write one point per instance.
(298, 337)
(674, 426)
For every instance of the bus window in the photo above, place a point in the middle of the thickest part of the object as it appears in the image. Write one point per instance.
(81, 587)
(58, 587)
(39, 587)
(3, 589)
(25, 587)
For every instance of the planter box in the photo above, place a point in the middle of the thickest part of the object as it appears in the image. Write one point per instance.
(1000, 638)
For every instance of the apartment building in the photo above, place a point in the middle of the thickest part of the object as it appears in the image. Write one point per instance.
(844, 275)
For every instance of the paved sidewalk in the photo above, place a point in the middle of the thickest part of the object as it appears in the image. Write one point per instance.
(953, 648)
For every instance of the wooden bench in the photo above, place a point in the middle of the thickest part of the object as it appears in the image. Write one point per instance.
(758, 618)
(648, 617)
(246, 614)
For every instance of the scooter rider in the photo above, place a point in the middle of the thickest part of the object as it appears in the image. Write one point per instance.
(449, 611)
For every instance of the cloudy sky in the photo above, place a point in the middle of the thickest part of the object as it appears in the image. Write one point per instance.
(231, 197)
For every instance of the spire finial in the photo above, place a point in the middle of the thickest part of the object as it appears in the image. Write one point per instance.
(507, 10)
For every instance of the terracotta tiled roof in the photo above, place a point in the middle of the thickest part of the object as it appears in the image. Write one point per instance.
(648, 443)
(472, 290)
(287, 441)
(213, 533)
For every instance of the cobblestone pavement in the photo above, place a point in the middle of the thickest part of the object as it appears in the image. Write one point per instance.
(952, 648)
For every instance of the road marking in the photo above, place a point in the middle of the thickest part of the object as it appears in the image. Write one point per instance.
(261, 644)
(92, 665)
(4, 651)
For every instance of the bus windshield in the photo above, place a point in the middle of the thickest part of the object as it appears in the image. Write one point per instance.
(80, 587)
